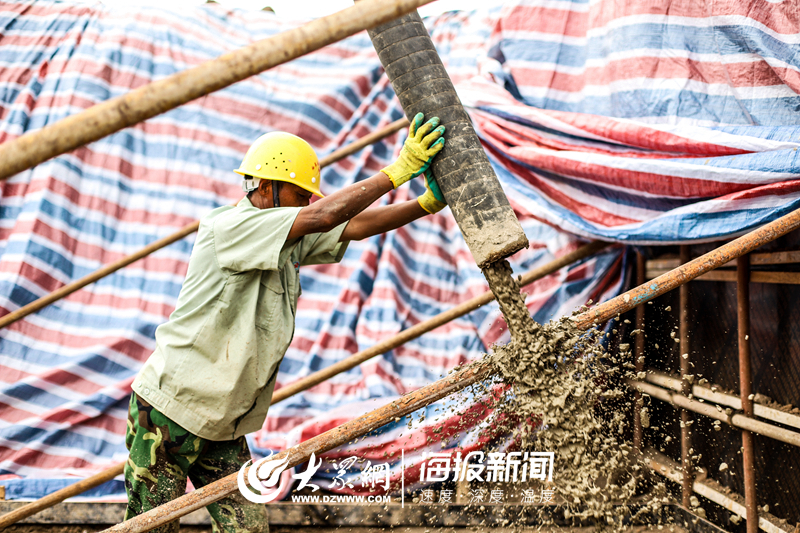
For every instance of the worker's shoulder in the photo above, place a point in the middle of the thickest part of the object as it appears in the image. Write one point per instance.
(216, 213)
(244, 215)
(229, 212)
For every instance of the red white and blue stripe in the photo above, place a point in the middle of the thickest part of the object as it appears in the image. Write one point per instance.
(603, 120)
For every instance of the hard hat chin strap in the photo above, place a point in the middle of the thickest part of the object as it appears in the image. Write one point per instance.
(276, 190)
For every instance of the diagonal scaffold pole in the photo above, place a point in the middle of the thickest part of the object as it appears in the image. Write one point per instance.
(432, 323)
(321, 375)
(469, 375)
(100, 120)
(302, 452)
(66, 290)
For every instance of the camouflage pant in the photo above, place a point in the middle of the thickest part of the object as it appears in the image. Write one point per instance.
(163, 455)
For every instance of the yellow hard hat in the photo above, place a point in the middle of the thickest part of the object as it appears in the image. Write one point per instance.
(281, 156)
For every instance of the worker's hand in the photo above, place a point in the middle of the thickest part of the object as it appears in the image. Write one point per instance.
(423, 143)
(433, 200)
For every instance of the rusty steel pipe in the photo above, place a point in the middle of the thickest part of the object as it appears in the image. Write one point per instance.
(746, 388)
(683, 326)
(638, 353)
(160, 96)
(683, 357)
(706, 409)
(321, 443)
(685, 273)
(109, 269)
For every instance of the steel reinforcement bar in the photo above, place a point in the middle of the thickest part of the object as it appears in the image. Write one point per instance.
(187, 230)
(160, 96)
(711, 490)
(737, 420)
(321, 375)
(465, 377)
(708, 393)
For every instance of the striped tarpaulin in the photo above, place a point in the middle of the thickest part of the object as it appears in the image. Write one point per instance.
(613, 149)
(644, 183)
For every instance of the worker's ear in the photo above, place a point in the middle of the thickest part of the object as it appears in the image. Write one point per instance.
(265, 188)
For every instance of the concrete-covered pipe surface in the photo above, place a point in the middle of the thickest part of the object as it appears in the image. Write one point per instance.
(462, 169)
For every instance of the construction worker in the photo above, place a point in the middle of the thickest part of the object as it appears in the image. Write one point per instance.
(209, 381)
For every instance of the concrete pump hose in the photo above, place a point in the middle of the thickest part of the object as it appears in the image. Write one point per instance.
(462, 169)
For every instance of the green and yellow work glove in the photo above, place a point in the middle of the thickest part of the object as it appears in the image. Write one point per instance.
(432, 200)
(423, 143)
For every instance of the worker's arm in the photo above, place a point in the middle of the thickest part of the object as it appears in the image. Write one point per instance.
(341, 206)
(386, 218)
(381, 219)
(423, 143)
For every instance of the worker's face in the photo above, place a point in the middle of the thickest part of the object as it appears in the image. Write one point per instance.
(293, 196)
(290, 195)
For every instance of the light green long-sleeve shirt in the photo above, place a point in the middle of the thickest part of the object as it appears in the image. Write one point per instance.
(215, 363)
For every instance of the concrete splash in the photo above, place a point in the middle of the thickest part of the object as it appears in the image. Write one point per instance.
(562, 397)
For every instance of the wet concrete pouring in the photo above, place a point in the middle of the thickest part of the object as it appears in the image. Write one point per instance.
(557, 390)
(564, 395)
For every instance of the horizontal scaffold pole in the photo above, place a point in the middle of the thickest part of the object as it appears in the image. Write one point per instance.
(318, 377)
(160, 96)
(689, 271)
(409, 403)
(109, 269)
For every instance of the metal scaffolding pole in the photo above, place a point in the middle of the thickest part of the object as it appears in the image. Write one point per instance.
(160, 96)
(638, 353)
(735, 420)
(711, 490)
(109, 269)
(684, 273)
(746, 388)
(707, 393)
(321, 375)
(686, 418)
